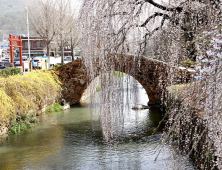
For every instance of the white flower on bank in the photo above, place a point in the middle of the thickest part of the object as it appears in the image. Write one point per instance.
(200, 57)
(216, 47)
(198, 67)
(207, 69)
(210, 53)
(219, 35)
(217, 41)
(198, 77)
(212, 61)
(205, 60)
(219, 55)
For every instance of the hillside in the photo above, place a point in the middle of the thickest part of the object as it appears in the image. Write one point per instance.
(12, 19)
(4, 8)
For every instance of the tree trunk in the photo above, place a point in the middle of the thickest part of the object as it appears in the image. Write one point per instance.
(190, 45)
(62, 56)
(48, 55)
(72, 50)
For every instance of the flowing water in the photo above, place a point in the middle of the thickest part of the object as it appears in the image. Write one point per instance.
(73, 139)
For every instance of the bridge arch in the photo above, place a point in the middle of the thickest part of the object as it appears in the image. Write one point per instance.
(152, 74)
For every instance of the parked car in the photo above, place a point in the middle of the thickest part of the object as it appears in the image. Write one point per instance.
(2, 66)
(37, 63)
(7, 58)
(67, 59)
(17, 61)
(54, 60)
(5, 62)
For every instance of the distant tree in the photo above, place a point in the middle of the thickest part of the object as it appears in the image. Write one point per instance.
(51, 20)
(72, 39)
(43, 19)
(65, 23)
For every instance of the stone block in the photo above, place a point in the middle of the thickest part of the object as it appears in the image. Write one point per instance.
(81, 81)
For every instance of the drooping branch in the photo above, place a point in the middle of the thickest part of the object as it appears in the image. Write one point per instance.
(178, 8)
(165, 16)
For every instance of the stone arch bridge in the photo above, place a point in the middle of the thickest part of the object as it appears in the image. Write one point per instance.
(153, 75)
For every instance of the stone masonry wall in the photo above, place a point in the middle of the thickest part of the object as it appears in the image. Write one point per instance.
(152, 74)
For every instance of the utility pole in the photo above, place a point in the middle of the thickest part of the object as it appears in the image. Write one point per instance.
(28, 32)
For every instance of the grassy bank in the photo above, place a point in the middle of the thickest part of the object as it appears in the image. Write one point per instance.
(186, 125)
(27, 94)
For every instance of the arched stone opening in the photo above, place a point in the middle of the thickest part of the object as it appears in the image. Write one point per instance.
(151, 74)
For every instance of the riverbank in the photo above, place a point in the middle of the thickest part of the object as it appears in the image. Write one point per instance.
(28, 94)
(74, 139)
(187, 126)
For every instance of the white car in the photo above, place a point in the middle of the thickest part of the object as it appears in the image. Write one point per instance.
(17, 61)
(37, 63)
(67, 59)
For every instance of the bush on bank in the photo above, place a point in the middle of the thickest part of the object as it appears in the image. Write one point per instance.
(22, 124)
(55, 108)
(20, 94)
(10, 71)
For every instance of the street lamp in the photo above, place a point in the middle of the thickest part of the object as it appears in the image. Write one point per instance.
(27, 28)
(28, 31)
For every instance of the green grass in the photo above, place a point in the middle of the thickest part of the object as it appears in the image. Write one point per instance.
(119, 74)
(56, 108)
(177, 89)
(56, 66)
(188, 63)
(97, 88)
(22, 124)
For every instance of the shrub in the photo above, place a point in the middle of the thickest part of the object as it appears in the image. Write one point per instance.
(56, 66)
(22, 93)
(20, 126)
(188, 63)
(56, 108)
(10, 71)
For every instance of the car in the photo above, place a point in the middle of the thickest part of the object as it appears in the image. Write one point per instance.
(24, 58)
(5, 62)
(67, 59)
(17, 61)
(37, 63)
(2, 66)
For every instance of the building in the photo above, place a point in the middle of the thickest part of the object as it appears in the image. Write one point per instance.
(37, 47)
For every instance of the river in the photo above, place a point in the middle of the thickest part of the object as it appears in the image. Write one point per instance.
(73, 139)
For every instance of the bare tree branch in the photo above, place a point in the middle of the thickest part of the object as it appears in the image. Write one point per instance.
(178, 9)
(165, 16)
